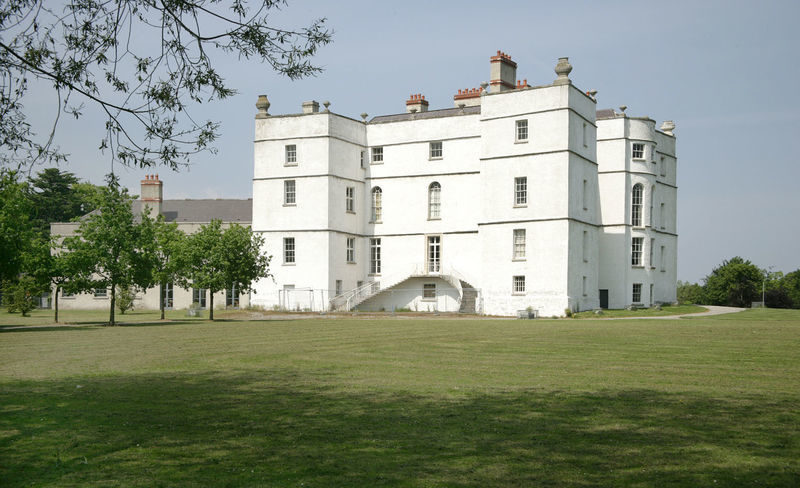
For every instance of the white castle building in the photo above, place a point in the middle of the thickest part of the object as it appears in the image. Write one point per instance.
(521, 197)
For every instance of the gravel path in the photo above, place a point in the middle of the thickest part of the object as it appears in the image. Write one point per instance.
(712, 310)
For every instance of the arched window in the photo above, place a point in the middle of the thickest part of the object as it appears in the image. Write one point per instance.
(377, 206)
(434, 200)
(636, 205)
(652, 199)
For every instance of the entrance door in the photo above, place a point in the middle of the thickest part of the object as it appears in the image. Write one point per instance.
(434, 254)
(603, 298)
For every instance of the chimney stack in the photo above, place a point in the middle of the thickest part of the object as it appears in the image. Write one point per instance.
(503, 73)
(152, 194)
(416, 103)
(311, 107)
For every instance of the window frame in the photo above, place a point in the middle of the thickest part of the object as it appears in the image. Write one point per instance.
(429, 292)
(435, 201)
(232, 297)
(636, 288)
(200, 296)
(585, 246)
(661, 216)
(289, 251)
(289, 193)
(376, 155)
(290, 155)
(167, 292)
(637, 203)
(521, 133)
(350, 199)
(663, 166)
(350, 250)
(337, 288)
(520, 191)
(435, 150)
(519, 242)
(518, 285)
(651, 253)
(100, 292)
(637, 245)
(375, 256)
(642, 151)
(376, 209)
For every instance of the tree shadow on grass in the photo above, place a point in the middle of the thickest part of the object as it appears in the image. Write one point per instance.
(282, 428)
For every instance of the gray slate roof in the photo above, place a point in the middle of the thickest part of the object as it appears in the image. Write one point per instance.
(203, 210)
(431, 114)
(605, 113)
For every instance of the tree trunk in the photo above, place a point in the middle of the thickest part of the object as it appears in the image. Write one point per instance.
(113, 304)
(55, 302)
(162, 301)
(211, 308)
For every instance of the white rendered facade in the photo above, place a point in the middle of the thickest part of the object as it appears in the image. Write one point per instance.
(501, 194)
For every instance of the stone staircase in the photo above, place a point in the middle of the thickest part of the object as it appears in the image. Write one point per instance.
(469, 295)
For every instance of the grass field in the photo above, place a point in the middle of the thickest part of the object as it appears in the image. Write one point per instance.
(704, 401)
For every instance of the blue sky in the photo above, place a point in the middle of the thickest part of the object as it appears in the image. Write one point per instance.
(717, 68)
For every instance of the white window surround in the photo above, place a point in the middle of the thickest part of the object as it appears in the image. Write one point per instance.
(375, 256)
(636, 251)
(434, 201)
(350, 245)
(377, 206)
(289, 256)
(291, 155)
(100, 292)
(518, 285)
(289, 193)
(636, 293)
(521, 133)
(377, 155)
(350, 199)
(636, 205)
(435, 150)
(637, 151)
(519, 245)
(521, 191)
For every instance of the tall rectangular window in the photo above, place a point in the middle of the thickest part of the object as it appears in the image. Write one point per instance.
(519, 243)
(518, 285)
(232, 297)
(377, 155)
(585, 195)
(522, 130)
(636, 296)
(351, 249)
(289, 192)
(435, 150)
(429, 291)
(638, 150)
(167, 294)
(521, 190)
(338, 290)
(663, 166)
(585, 140)
(199, 296)
(363, 158)
(636, 251)
(583, 286)
(585, 246)
(661, 220)
(350, 199)
(652, 245)
(288, 250)
(661, 258)
(375, 256)
(291, 154)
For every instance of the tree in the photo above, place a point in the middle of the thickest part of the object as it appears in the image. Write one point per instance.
(690, 293)
(166, 243)
(791, 283)
(736, 282)
(108, 251)
(217, 259)
(142, 64)
(16, 233)
(55, 197)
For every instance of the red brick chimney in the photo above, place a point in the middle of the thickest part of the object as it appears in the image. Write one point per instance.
(503, 72)
(416, 103)
(152, 192)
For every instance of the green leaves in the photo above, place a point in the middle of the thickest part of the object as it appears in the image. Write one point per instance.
(144, 64)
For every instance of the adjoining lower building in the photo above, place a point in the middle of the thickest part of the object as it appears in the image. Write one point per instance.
(519, 198)
(190, 215)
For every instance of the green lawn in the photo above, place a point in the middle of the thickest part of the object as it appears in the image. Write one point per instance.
(704, 401)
